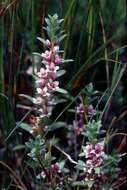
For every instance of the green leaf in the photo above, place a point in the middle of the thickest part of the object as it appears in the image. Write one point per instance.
(90, 183)
(37, 58)
(54, 141)
(34, 77)
(19, 147)
(56, 125)
(89, 88)
(97, 170)
(60, 21)
(41, 40)
(79, 183)
(61, 90)
(47, 21)
(24, 107)
(80, 165)
(30, 98)
(82, 154)
(38, 54)
(61, 72)
(67, 60)
(25, 126)
(62, 37)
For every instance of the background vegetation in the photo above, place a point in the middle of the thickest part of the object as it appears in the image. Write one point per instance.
(96, 41)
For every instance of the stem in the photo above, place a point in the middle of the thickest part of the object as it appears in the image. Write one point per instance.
(16, 178)
(46, 173)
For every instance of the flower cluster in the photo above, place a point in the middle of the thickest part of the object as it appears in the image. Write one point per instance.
(55, 168)
(78, 123)
(82, 111)
(78, 126)
(94, 155)
(85, 110)
(46, 82)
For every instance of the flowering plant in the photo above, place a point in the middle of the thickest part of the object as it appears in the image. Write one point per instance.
(92, 163)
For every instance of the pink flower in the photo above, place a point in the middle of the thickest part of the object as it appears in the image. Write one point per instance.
(56, 167)
(53, 85)
(47, 56)
(94, 155)
(88, 110)
(80, 109)
(42, 73)
(40, 83)
(89, 150)
(98, 148)
(43, 175)
(91, 111)
(57, 59)
(56, 49)
(78, 126)
(46, 83)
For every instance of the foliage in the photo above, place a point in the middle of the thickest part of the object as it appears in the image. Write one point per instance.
(62, 120)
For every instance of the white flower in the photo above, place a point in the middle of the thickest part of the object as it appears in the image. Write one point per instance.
(38, 100)
(39, 91)
(56, 48)
(43, 175)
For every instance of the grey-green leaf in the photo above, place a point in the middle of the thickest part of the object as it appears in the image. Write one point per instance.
(25, 126)
(61, 90)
